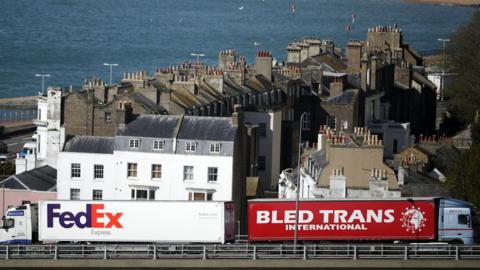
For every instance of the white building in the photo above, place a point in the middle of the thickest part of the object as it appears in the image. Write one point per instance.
(158, 157)
(396, 136)
(50, 135)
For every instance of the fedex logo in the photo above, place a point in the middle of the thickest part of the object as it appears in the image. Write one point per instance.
(93, 217)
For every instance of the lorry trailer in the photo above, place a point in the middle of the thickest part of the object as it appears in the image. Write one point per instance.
(402, 219)
(120, 221)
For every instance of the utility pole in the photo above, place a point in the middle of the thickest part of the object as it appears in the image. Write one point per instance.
(43, 80)
(198, 55)
(295, 235)
(442, 80)
(111, 66)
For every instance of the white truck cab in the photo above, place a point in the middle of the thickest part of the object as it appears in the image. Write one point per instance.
(19, 225)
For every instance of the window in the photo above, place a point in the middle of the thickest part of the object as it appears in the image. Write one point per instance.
(215, 147)
(332, 122)
(187, 173)
(344, 124)
(191, 147)
(132, 170)
(39, 114)
(75, 170)
(212, 174)
(143, 194)
(262, 129)
(97, 171)
(200, 196)
(464, 219)
(307, 121)
(158, 145)
(97, 195)
(395, 146)
(108, 117)
(74, 194)
(261, 163)
(133, 143)
(156, 171)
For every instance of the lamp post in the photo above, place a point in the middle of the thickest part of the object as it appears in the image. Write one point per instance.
(198, 55)
(295, 235)
(442, 80)
(43, 80)
(111, 66)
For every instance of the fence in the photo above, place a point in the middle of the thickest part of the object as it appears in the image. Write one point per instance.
(17, 115)
(243, 251)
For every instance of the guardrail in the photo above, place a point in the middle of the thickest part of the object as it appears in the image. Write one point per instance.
(243, 251)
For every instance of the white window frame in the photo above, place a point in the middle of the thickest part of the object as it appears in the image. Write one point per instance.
(158, 145)
(108, 117)
(133, 143)
(215, 147)
(75, 173)
(132, 172)
(207, 195)
(74, 194)
(150, 194)
(190, 146)
(97, 194)
(307, 121)
(159, 171)
(188, 173)
(332, 122)
(98, 173)
(212, 174)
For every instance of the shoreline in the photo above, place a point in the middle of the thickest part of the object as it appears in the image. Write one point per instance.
(464, 3)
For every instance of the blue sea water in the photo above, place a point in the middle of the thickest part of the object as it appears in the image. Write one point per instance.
(71, 39)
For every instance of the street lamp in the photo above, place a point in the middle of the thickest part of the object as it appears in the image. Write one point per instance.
(198, 55)
(295, 235)
(43, 80)
(111, 66)
(442, 80)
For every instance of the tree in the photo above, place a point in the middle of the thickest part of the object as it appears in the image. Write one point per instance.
(463, 178)
(464, 60)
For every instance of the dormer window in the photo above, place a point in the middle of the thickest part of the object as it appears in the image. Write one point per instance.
(191, 146)
(215, 147)
(134, 143)
(158, 145)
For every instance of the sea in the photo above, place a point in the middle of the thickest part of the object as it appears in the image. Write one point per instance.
(72, 39)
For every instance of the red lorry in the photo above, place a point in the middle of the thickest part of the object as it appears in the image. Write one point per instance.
(406, 219)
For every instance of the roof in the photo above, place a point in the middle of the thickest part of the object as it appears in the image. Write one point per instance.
(207, 128)
(344, 98)
(90, 144)
(147, 103)
(39, 179)
(153, 126)
(420, 78)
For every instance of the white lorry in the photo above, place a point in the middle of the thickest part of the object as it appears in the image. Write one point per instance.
(119, 221)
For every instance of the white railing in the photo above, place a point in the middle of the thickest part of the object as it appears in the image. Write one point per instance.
(241, 251)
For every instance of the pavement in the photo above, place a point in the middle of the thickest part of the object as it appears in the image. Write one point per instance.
(239, 264)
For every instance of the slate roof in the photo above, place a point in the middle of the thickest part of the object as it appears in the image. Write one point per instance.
(39, 179)
(90, 144)
(152, 126)
(207, 128)
(344, 98)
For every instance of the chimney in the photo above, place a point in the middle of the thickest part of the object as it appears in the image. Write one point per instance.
(336, 87)
(263, 64)
(364, 72)
(354, 54)
(237, 115)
